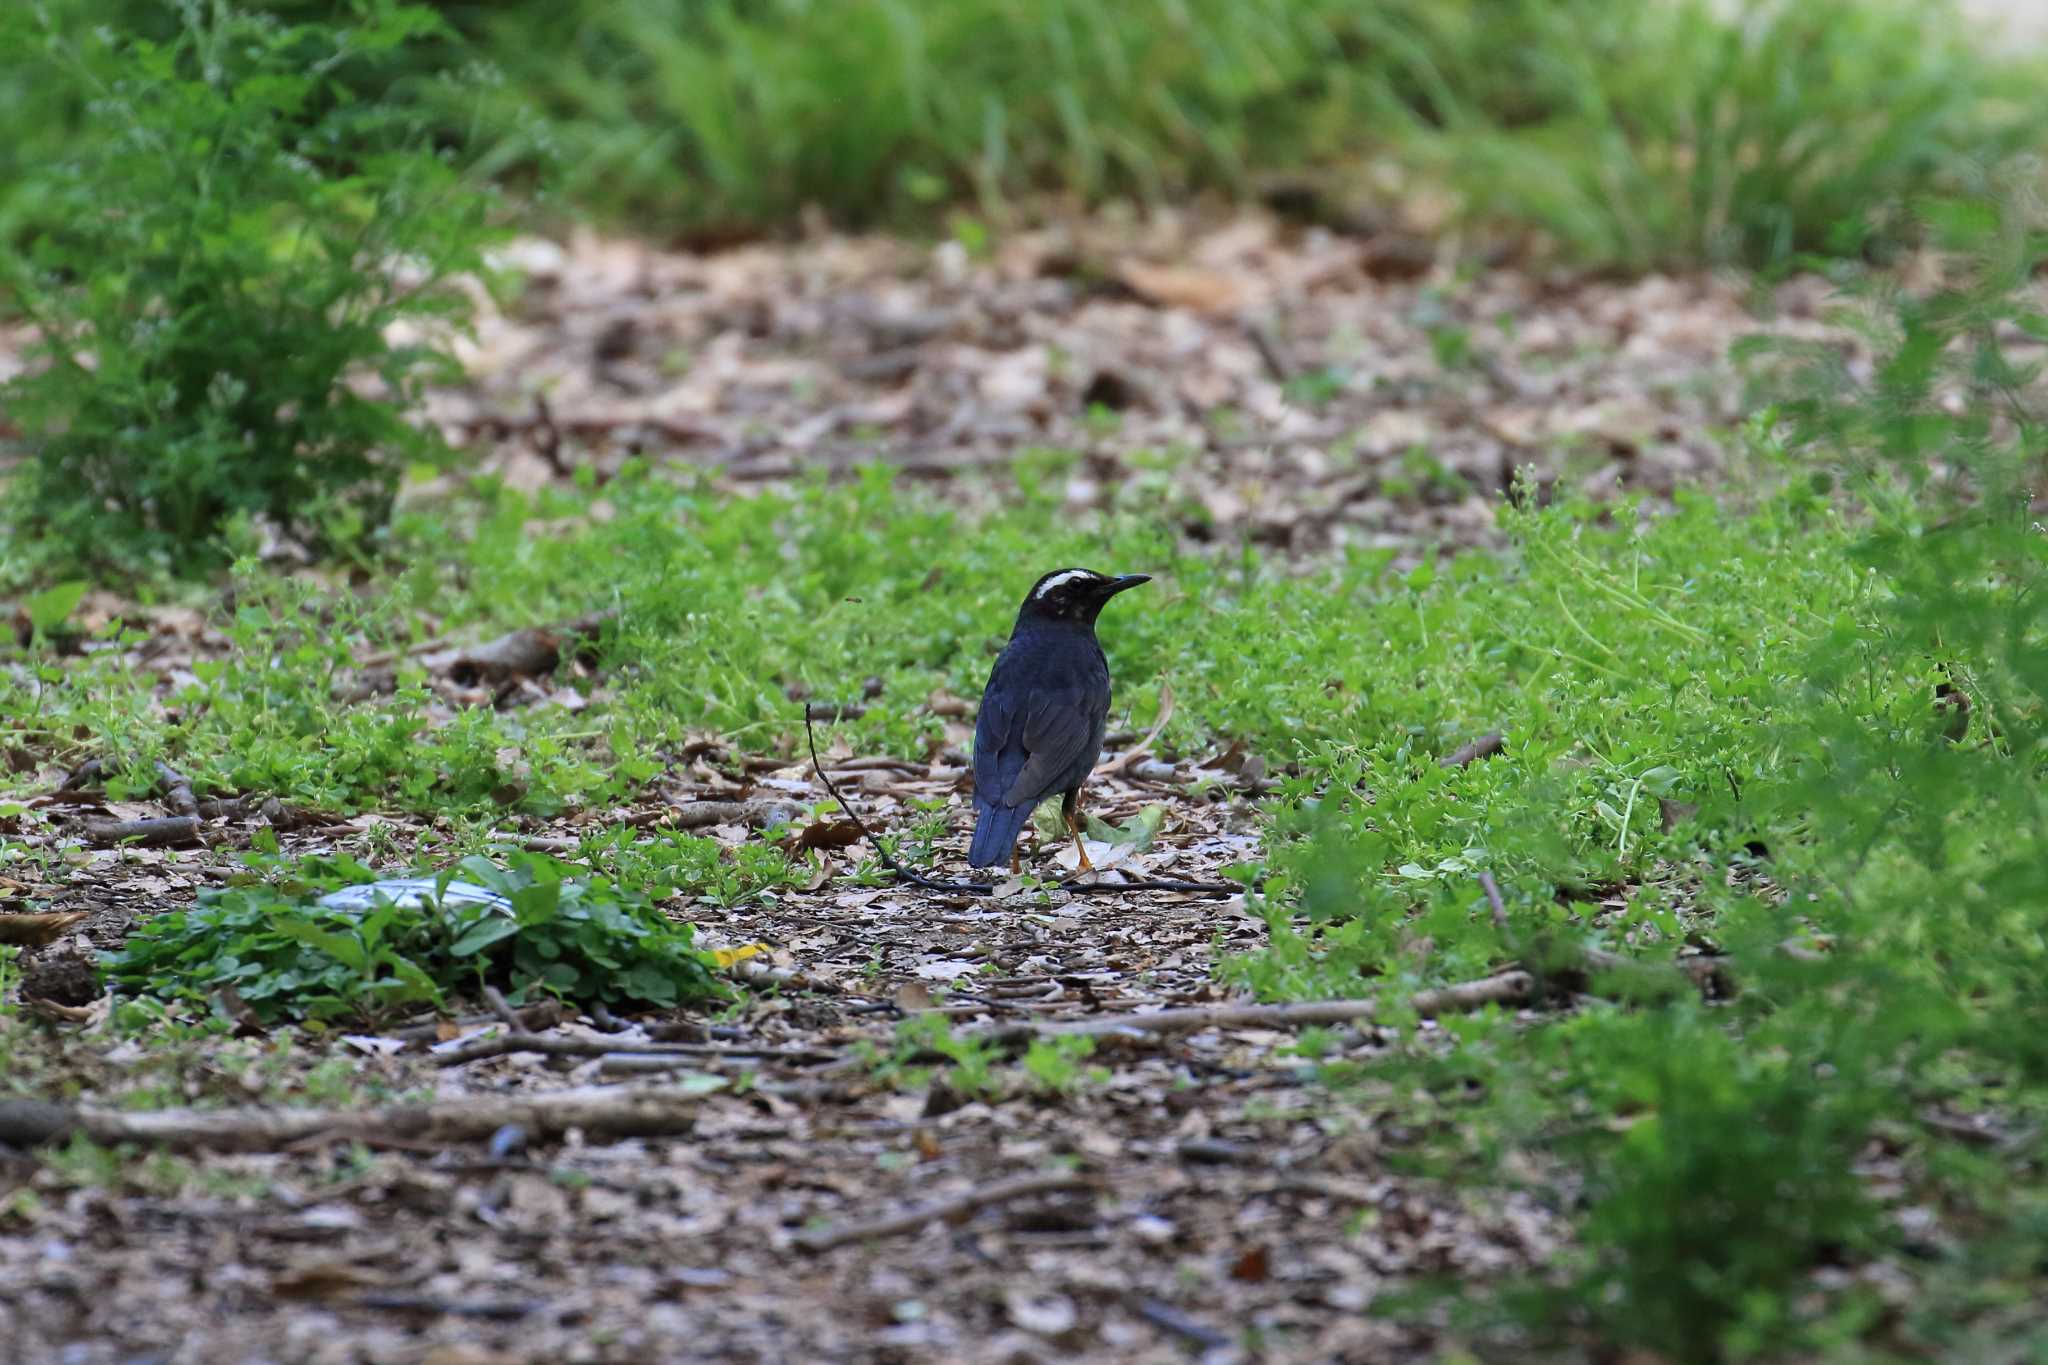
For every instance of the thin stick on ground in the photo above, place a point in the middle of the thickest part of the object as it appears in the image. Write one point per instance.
(1485, 746)
(1504, 988)
(1493, 900)
(958, 1207)
(505, 1044)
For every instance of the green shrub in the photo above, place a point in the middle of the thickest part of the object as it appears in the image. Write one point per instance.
(221, 251)
(583, 939)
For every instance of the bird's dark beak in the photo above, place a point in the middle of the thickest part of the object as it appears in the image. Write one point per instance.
(1129, 580)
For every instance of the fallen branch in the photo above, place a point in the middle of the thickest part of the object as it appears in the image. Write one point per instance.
(161, 831)
(505, 1044)
(955, 1209)
(643, 1111)
(1503, 988)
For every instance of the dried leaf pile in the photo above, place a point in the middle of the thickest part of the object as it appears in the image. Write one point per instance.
(1308, 389)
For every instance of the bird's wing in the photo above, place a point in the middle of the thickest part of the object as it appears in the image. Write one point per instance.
(997, 758)
(1055, 738)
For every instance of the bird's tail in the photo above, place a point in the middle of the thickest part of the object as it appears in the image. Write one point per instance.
(995, 832)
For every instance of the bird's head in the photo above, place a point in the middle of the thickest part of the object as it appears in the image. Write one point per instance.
(1075, 595)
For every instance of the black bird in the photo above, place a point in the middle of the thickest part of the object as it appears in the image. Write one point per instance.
(1043, 713)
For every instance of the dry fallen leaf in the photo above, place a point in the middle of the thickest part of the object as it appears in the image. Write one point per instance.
(944, 703)
(470, 1355)
(823, 834)
(1253, 1266)
(1173, 286)
(324, 1280)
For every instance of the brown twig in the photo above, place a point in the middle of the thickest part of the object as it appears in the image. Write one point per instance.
(1279, 362)
(1493, 900)
(958, 1208)
(1485, 746)
(495, 998)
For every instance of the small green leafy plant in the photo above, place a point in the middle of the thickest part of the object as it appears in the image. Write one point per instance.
(1055, 1065)
(974, 1066)
(224, 247)
(582, 939)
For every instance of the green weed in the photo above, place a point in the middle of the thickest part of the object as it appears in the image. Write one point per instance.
(926, 1049)
(583, 939)
(1055, 1065)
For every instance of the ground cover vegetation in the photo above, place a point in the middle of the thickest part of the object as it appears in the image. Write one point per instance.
(1760, 817)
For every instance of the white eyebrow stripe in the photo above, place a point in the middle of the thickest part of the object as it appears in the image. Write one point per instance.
(1061, 580)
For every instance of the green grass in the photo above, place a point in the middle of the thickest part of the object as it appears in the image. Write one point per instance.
(726, 604)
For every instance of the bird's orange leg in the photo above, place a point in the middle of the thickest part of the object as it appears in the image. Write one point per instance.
(1071, 808)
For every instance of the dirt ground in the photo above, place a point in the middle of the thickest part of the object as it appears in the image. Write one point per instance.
(1200, 1197)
